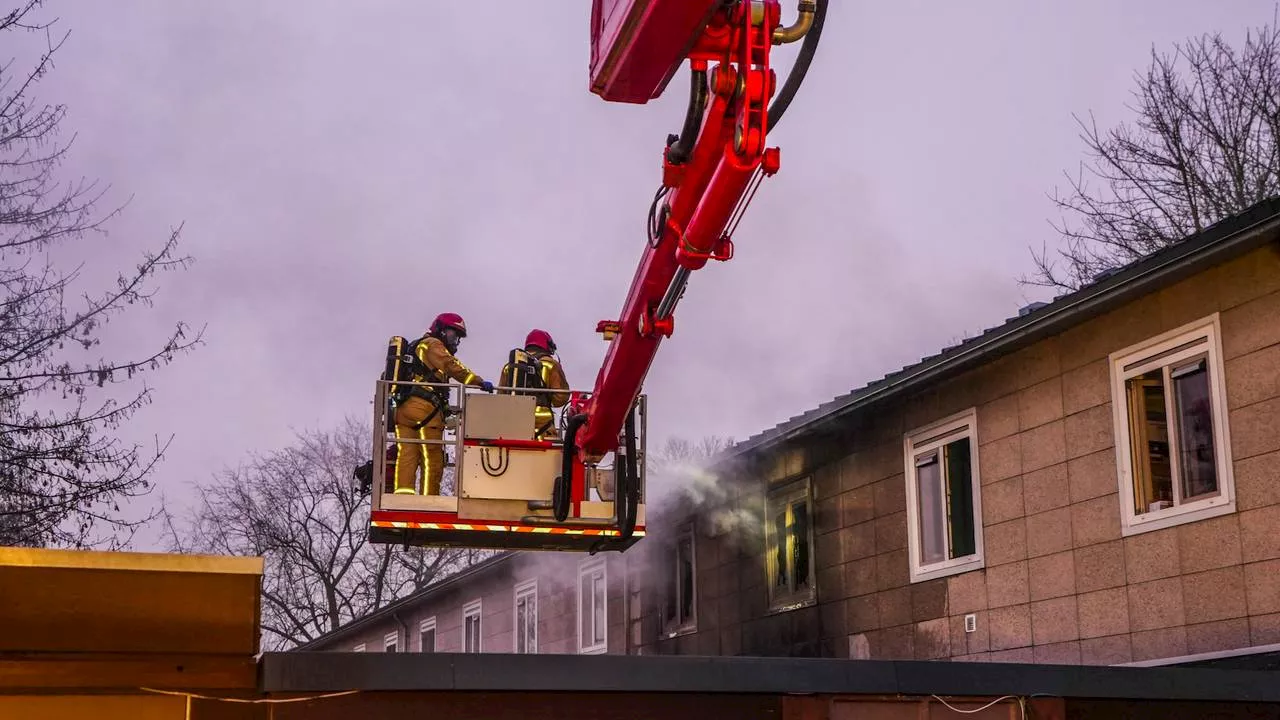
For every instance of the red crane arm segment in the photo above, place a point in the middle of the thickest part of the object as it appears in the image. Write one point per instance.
(705, 191)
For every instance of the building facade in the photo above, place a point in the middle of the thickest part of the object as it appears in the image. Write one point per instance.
(516, 602)
(1096, 481)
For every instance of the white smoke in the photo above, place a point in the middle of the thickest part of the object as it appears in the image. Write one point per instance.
(683, 480)
(686, 479)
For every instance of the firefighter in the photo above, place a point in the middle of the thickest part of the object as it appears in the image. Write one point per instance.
(422, 415)
(539, 348)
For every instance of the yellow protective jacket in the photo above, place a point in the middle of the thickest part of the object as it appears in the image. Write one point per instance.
(432, 353)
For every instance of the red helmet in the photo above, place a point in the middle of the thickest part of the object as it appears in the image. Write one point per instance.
(448, 320)
(540, 339)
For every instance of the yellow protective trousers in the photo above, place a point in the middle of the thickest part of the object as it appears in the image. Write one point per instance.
(544, 424)
(410, 455)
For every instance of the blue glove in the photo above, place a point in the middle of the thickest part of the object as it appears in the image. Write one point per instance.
(486, 386)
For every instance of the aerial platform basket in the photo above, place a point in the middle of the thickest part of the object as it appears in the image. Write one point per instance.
(508, 486)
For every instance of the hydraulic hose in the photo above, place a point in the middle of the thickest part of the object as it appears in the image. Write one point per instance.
(627, 494)
(495, 470)
(653, 228)
(678, 153)
(679, 147)
(561, 494)
(807, 48)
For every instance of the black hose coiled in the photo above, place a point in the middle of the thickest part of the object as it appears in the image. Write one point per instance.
(808, 47)
(626, 498)
(561, 494)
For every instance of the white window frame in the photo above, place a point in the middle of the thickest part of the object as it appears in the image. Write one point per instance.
(473, 609)
(930, 438)
(587, 568)
(358, 648)
(786, 495)
(1140, 358)
(528, 588)
(671, 627)
(391, 639)
(423, 627)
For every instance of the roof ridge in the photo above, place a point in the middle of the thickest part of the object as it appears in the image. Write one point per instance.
(1206, 240)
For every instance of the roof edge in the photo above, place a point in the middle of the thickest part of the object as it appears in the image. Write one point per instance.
(1212, 246)
(685, 674)
(391, 608)
(1205, 656)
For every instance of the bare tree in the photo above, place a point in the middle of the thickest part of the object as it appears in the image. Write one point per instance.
(63, 473)
(678, 450)
(303, 511)
(1203, 146)
(680, 466)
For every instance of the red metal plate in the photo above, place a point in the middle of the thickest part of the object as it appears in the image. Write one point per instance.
(637, 45)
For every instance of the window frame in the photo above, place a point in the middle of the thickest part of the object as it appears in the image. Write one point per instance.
(423, 627)
(391, 640)
(527, 588)
(586, 568)
(1199, 337)
(786, 494)
(671, 627)
(473, 609)
(932, 438)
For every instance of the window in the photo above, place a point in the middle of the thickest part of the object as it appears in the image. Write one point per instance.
(390, 642)
(471, 627)
(789, 539)
(679, 591)
(526, 625)
(1172, 453)
(427, 636)
(944, 499)
(358, 648)
(592, 607)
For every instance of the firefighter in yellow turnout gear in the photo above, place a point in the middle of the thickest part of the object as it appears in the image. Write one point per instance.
(542, 370)
(422, 414)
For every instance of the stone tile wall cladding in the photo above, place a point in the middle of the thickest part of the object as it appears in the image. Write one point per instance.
(1061, 583)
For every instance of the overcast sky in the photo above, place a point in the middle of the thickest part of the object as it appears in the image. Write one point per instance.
(345, 171)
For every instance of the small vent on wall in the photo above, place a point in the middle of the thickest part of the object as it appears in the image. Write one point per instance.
(970, 623)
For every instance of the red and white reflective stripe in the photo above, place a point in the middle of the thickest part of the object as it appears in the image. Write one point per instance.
(499, 528)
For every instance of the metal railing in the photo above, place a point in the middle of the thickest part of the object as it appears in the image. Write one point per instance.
(454, 431)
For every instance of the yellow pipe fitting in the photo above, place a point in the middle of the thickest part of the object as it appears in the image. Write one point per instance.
(792, 33)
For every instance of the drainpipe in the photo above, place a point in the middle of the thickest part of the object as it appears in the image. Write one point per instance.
(404, 627)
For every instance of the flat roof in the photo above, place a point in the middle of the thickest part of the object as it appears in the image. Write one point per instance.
(88, 601)
(323, 672)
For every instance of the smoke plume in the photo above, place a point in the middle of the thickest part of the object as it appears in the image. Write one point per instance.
(689, 480)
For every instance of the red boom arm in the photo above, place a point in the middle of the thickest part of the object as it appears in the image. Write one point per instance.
(704, 189)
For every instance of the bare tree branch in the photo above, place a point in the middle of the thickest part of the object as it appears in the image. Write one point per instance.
(300, 508)
(678, 468)
(1202, 146)
(63, 476)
